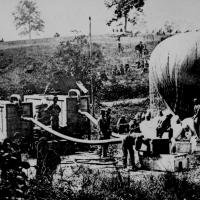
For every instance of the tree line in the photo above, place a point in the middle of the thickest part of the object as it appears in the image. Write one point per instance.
(27, 16)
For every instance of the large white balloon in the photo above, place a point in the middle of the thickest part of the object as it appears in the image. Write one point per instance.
(175, 71)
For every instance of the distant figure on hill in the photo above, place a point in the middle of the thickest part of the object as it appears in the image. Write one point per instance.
(142, 64)
(122, 69)
(2, 40)
(126, 67)
(119, 44)
(145, 51)
(139, 48)
(57, 35)
(138, 64)
(103, 76)
(146, 65)
(114, 71)
(118, 72)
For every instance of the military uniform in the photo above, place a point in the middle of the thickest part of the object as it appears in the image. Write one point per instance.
(122, 125)
(54, 111)
(103, 132)
(197, 118)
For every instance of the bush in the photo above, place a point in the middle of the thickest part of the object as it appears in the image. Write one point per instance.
(13, 181)
(118, 91)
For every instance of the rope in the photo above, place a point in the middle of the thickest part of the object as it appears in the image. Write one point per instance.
(65, 137)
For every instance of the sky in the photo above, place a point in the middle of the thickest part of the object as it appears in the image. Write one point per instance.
(62, 16)
(185, 13)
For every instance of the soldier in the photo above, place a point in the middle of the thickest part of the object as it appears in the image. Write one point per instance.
(127, 68)
(134, 126)
(196, 116)
(54, 111)
(140, 48)
(145, 50)
(119, 44)
(131, 143)
(128, 147)
(121, 69)
(114, 72)
(103, 132)
(183, 130)
(108, 118)
(122, 125)
(103, 76)
(164, 125)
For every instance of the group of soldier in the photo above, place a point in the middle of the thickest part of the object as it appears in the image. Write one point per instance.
(139, 130)
(142, 61)
(121, 70)
(144, 128)
(141, 50)
(134, 135)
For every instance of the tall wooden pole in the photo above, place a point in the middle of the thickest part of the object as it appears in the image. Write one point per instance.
(90, 35)
(91, 71)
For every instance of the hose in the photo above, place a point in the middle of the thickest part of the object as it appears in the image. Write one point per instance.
(82, 141)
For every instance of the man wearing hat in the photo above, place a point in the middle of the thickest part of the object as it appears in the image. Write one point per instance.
(54, 111)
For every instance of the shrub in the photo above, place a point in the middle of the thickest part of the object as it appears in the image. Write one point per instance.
(118, 91)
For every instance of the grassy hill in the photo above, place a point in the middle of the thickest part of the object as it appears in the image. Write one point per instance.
(30, 62)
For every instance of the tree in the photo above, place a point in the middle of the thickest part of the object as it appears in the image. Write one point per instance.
(27, 17)
(74, 60)
(122, 9)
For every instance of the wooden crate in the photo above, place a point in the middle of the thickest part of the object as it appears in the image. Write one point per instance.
(183, 147)
(10, 121)
(168, 162)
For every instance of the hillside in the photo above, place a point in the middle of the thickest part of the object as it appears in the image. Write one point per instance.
(30, 63)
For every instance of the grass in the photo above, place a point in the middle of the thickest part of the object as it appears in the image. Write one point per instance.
(95, 184)
(17, 57)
